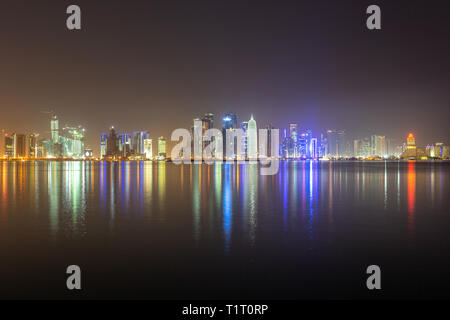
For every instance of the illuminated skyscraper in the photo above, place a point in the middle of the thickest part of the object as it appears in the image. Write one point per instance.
(244, 140)
(208, 121)
(103, 144)
(72, 140)
(162, 147)
(378, 146)
(197, 139)
(268, 149)
(313, 149)
(112, 149)
(412, 152)
(148, 149)
(252, 139)
(125, 143)
(293, 148)
(357, 148)
(229, 125)
(33, 145)
(337, 144)
(138, 142)
(20, 142)
(293, 129)
(54, 126)
(2, 143)
(411, 142)
(9, 146)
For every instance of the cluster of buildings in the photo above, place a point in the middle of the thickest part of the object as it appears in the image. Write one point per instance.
(435, 151)
(238, 140)
(65, 143)
(136, 146)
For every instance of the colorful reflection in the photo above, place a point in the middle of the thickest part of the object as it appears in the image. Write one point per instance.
(411, 177)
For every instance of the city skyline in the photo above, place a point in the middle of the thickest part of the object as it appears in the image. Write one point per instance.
(295, 142)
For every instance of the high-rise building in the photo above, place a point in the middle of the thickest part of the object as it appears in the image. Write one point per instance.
(33, 145)
(138, 142)
(293, 130)
(313, 149)
(337, 143)
(252, 139)
(303, 144)
(20, 143)
(103, 144)
(197, 139)
(2, 142)
(208, 121)
(293, 148)
(125, 144)
(9, 146)
(229, 125)
(357, 148)
(268, 150)
(72, 140)
(244, 139)
(54, 126)
(445, 152)
(411, 142)
(162, 147)
(148, 149)
(112, 149)
(378, 146)
(412, 152)
(229, 121)
(323, 147)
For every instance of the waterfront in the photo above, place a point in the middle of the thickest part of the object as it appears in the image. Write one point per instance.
(158, 230)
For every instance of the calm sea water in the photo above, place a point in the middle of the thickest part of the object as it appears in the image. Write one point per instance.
(162, 231)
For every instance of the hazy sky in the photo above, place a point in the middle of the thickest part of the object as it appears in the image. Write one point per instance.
(156, 65)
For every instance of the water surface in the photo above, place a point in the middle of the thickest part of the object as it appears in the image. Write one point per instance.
(161, 231)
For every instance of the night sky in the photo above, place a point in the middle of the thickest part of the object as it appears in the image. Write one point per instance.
(156, 65)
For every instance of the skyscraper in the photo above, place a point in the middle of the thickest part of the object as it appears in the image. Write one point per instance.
(378, 146)
(20, 142)
(2, 143)
(148, 149)
(197, 139)
(112, 149)
(252, 139)
(208, 121)
(229, 126)
(244, 140)
(54, 127)
(162, 147)
(72, 140)
(138, 142)
(103, 144)
(337, 144)
(268, 150)
(33, 145)
(125, 144)
(9, 146)
(293, 147)
(313, 149)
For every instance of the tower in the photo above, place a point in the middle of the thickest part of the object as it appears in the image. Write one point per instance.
(252, 139)
(54, 126)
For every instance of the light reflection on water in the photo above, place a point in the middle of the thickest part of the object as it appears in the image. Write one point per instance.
(230, 204)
